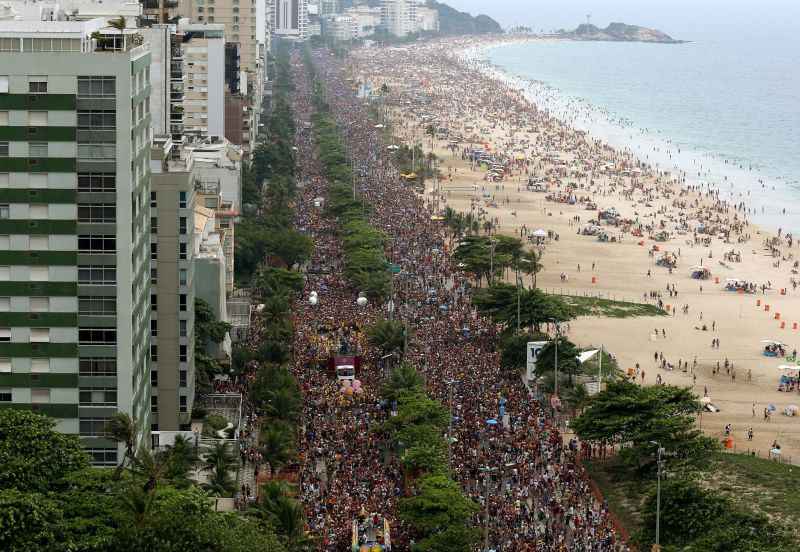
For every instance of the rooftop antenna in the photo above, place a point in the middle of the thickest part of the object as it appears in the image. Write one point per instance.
(588, 19)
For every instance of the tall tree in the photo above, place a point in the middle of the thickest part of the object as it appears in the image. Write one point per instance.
(32, 454)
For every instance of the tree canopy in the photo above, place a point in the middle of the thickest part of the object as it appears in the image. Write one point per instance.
(636, 416)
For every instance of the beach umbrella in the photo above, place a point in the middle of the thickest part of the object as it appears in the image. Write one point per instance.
(540, 233)
(705, 400)
(771, 407)
(788, 367)
(491, 421)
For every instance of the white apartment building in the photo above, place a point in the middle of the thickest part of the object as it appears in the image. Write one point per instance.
(366, 20)
(75, 226)
(399, 17)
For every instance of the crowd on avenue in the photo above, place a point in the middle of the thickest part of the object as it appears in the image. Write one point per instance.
(539, 497)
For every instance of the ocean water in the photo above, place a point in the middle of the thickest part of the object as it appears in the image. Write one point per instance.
(722, 110)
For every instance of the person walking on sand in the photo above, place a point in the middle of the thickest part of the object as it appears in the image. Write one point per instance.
(754, 410)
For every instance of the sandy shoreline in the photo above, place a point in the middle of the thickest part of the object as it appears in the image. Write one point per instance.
(459, 98)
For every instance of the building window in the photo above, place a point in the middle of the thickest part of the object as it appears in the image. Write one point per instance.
(5, 394)
(154, 404)
(182, 199)
(97, 244)
(40, 335)
(183, 277)
(97, 151)
(93, 427)
(38, 211)
(97, 182)
(154, 225)
(97, 119)
(154, 276)
(4, 212)
(153, 251)
(100, 213)
(182, 225)
(182, 324)
(102, 456)
(97, 336)
(182, 302)
(182, 377)
(97, 306)
(154, 378)
(39, 274)
(183, 406)
(101, 366)
(97, 396)
(40, 365)
(5, 365)
(36, 118)
(9, 45)
(154, 353)
(37, 149)
(39, 243)
(182, 251)
(182, 353)
(37, 85)
(153, 301)
(154, 327)
(97, 275)
(40, 396)
(3, 149)
(5, 335)
(97, 86)
(40, 304)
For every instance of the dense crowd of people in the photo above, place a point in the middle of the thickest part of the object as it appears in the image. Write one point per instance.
(506, 451)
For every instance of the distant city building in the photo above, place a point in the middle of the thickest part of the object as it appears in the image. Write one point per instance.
(339, 27)
(399, 17)
(366, 20)
(427, 19)
(288, 18)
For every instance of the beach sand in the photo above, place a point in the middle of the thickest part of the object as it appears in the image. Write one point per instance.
(620, 269)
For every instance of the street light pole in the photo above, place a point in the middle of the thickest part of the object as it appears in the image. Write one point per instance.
(487, 471)
(659, 463)
(556, 360)
(450, 426)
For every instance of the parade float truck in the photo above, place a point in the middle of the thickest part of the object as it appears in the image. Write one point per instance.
(344, 367)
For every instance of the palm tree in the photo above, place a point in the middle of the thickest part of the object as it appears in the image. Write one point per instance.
(121, 428)
(181, 458)
(277, 444)
(120, 23)
(137, 504)
(220, 461)
(531, 264)
(152, 466)
(403, 378)
(388, 336)
(285, 514)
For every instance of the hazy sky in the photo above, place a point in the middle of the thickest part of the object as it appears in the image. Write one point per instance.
(685, 18)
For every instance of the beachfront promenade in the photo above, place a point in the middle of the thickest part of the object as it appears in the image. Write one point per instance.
(538, 495)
